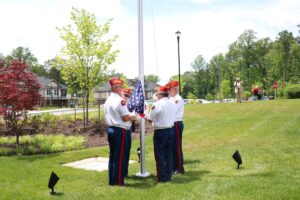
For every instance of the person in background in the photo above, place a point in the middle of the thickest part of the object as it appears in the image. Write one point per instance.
(256, 93)
(126, 93)
(162, 115)
(263, 94)
(238, 89)
(118, 118)
(177, 127)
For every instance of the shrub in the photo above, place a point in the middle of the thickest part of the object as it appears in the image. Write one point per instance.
(31, 150)
(7, 140)
(48, 118)
(246, 94)
(193, 101)
(57, 147)
(36, 121)
(26, 139)
(3, 140)
(293, 91)
(30, 145)
(5, 151)
(20, 150)
(209, 97)
(45, 147)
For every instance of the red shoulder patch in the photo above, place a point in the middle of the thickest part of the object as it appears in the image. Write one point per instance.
(123, 103)
(152, 107)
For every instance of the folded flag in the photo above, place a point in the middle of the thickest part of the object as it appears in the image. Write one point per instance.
(136, 101)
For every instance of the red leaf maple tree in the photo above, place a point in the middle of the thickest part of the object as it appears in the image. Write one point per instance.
(19, 92)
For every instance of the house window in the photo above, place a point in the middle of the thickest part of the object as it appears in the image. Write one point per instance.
(55, 92)
(63, 92)
(48, 91)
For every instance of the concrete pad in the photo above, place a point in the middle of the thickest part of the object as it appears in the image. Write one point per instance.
(97, 163)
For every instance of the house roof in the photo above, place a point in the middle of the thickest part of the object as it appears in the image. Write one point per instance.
(44, 81)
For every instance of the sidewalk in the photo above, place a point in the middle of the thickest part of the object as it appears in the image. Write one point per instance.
(97, 164)
(59, 111)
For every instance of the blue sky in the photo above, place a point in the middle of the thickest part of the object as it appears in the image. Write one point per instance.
(207, 26)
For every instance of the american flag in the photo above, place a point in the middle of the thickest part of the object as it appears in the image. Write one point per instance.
(136, 101)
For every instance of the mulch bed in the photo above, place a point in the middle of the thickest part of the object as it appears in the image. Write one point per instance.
(94, 133)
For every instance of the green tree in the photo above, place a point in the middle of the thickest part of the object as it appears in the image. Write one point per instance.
(187, 81)
(200, 76)
(24, 55)
(294, 76)
(87, 52)
(286, 40)
(263, 47)
(152, 78)
(283, 59)
(225, 89)
(216, 70)
(191, 96)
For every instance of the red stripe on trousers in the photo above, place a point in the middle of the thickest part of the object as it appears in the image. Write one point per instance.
(178, 147)
(121, 158)
(155, 155)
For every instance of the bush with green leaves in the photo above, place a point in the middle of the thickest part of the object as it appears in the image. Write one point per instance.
(5, 151)
(48, 118)
(7, 140)
(246, 94)
(30, 145)
(293, 91)
(35, 121)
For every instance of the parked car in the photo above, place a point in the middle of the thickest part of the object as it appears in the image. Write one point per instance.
(216, 101)
(229, 100)
(186, 101)
(203, 101)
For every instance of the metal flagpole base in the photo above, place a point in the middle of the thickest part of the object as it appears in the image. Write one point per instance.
(139, 174)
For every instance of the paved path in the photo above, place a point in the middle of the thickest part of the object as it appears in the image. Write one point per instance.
(97, 163)
(65, 111)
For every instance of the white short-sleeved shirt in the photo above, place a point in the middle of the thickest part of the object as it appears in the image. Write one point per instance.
(179, 107)
(162, 114)
(114, 108)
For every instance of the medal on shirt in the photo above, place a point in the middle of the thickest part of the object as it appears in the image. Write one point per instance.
(123, 103)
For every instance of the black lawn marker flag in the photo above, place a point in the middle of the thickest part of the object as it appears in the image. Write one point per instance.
(52, 182)
(237, 157)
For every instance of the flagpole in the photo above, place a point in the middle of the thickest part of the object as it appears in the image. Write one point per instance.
(143, 172)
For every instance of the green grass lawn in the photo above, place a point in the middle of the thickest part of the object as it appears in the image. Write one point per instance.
(267, 134)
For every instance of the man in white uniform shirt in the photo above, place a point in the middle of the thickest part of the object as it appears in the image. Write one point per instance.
(125, 94)
(162, 114)
(177, 127)
(118, 119)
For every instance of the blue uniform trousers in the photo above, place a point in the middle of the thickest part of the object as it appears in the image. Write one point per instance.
(127, 151)
(116, 140)
(177, 147)
(163, 154)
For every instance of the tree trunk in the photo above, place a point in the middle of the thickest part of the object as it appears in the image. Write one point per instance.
(83, 109)
(87, 108)
(17, 138)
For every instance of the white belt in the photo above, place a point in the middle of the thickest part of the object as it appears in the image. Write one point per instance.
(158, 128)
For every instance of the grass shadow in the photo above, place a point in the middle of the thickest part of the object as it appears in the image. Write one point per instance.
(259, 174)
(141, 182)
(191, 162)
(189, 176)
(32, 158)
(57, 194)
